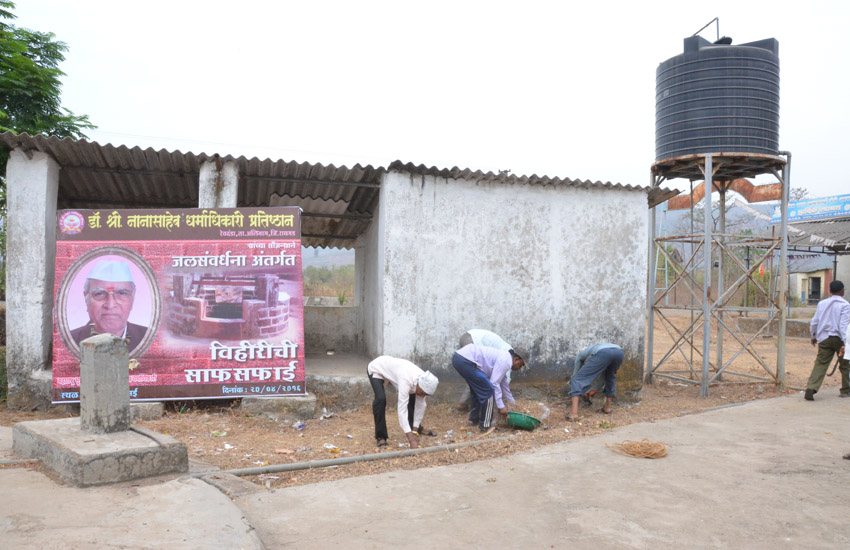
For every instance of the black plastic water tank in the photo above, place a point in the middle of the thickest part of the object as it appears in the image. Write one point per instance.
(717, 98)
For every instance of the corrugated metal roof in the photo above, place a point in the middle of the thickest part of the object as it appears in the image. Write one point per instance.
(478, 175)
(809, 263)
(833, 234)
(338, 202)
(107, 176)
(655, 195)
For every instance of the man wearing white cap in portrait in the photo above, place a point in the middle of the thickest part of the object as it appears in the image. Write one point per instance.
(109, 292)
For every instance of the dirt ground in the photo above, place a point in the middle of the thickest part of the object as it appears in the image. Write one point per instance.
(225, 437)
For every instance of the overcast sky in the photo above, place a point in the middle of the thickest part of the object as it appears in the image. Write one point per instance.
(549, 88)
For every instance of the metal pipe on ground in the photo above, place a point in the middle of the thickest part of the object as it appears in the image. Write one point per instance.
(349, 459)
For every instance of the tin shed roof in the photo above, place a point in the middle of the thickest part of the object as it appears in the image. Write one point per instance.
(337, 202)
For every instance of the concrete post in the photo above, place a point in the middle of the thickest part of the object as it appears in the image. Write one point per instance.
(218, 185)
(32, 184)
(104, 384)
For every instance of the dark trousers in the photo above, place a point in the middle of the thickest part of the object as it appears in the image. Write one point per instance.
(606, 361)
(379, 408)
(483, 394)
(826, 350)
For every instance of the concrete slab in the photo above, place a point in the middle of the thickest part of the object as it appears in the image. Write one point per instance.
(231, 485)
(765, 475)
(292, 408)
(150, 410)
(339, 364)
(178, 514)
(6, 443)
(339, 381)
(86, 459)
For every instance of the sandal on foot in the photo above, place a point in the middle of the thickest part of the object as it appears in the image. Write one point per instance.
(847, 456)
(382, 443)
(423, 431)
(570, 418)
(603, 411)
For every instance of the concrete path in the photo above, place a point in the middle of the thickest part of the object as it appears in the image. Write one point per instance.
(767, 474)
(184, 513)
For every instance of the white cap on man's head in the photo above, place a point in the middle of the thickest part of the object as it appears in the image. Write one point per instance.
(111, 271)
(428, 382)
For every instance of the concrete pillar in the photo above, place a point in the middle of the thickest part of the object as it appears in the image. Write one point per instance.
(218, 185)
(32, 183)
(104, 384)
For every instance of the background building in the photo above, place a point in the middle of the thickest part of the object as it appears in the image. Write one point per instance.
(550, 264)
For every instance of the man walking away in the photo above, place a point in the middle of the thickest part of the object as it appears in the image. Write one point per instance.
(829, 329)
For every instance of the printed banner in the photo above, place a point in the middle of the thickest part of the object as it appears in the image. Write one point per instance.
(836, 206)
(210, 301)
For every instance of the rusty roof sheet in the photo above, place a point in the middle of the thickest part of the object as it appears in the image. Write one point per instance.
(337, 202)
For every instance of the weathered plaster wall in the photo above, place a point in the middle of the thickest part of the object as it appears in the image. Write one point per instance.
(369, 269)
(32, 183)
(551, 269)
(842, 273)
(331, 328)
(218, 188)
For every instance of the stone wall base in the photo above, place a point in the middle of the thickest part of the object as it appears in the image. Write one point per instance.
(87, 459)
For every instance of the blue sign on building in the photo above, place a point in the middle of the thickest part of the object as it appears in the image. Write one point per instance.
(835, 206)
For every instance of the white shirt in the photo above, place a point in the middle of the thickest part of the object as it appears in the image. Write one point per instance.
(487, 338)
(402, 374)
(831, 319)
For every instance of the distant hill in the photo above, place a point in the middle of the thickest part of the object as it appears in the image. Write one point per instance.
(675, 222)
(326, 257)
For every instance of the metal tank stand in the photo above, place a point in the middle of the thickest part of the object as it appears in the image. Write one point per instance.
(715, 250)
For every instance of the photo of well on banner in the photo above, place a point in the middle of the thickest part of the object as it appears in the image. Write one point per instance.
(210, 301)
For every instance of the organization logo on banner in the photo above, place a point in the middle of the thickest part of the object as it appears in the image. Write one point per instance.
(71, 222)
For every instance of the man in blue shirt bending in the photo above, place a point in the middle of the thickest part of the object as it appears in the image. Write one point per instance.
(591, 362)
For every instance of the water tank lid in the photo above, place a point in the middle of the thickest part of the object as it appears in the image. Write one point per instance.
(696, 43)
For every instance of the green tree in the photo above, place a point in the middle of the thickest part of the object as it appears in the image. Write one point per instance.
(30, 96)
(30, 85)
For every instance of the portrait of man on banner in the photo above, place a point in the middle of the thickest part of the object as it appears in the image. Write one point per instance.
(109, 292)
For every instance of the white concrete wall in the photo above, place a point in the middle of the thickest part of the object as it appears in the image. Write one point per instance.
(331, 328)
(218, 189)
(551, 269)
(32, 184)
(798, 287)
(843, 272)
(369, 269)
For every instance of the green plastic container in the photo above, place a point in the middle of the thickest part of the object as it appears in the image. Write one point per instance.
(522, 421)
